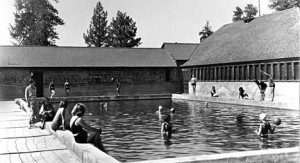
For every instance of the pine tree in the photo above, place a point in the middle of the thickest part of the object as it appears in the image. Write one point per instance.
(97, 34)
(35, 22)
(280, 5)
(250, 11)
(122, 32)
(237, 15)
(206, 32)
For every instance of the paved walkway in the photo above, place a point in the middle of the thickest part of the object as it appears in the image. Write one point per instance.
(18, 144)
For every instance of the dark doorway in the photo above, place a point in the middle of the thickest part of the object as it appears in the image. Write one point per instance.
(38, 76)
(167, 75)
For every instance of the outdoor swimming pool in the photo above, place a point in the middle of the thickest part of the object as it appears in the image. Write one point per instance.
(131, 129)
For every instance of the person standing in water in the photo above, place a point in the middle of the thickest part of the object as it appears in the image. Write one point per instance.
(167, 128)
(264, 127)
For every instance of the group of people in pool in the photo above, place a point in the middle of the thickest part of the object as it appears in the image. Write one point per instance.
(264, 128)
(242, 94)
(83, 133)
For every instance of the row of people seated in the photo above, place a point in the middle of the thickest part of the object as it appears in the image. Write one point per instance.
(82, 132)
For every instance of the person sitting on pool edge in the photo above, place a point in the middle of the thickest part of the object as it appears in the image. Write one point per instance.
(59, 119)
(214, 92)
(243, 94)
(82, 132)
(47, 111)
(264, 127)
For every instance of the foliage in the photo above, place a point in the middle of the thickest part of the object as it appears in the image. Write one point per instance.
(122, 32)
(280, 5)
(206, 32)
(237, 15)
(35, 22)
(249, 12)
(97, 33)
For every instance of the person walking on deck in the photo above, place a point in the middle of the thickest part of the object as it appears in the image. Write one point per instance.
(30, 97)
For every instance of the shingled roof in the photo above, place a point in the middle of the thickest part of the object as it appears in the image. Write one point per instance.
(35, 56)
(273, 36)
(180, 51)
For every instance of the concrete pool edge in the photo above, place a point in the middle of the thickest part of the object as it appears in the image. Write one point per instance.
(85, 152)
(269, 104)
(269, 155)
(112, 97)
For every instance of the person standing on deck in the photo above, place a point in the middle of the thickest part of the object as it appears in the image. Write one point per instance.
(193, 83)
(262, 87)
(51, 89)
(271, 84)
(118, 86)
(67, 87)
(30, 97)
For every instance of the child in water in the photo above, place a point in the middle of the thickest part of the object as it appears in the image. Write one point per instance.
(264, 127)
(166, 128)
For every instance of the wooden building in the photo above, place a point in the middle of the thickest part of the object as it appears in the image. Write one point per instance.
(88, 70)
(238, 51)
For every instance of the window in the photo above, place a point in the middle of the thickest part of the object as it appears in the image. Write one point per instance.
(282, 71)
(251, 72)
(240, 72)
(230, 73)
(289, 70)
(296, 70)
(276, 75)
(236, 73)
(246, 74)
(257, 73)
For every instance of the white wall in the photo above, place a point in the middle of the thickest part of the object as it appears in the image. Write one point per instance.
(284, 91)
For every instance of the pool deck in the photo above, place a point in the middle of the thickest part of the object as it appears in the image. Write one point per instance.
(112, 97)
(269, 104)
(18, 144)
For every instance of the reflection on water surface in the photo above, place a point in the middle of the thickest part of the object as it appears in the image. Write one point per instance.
(131, 129)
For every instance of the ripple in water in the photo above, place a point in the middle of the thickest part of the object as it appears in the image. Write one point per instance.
(131, 129)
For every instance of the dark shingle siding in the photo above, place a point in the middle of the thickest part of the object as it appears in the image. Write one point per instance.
(273, 36)
(34, 56)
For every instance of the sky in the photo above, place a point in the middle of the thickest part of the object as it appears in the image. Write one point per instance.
(157, 21)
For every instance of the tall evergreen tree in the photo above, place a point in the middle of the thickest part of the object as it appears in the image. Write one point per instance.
(206, 32)
(237, 14)
(122, 32)
(250, 11)
(97, 34)
(35, 22)
(279, 5)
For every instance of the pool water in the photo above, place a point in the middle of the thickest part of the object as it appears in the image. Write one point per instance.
(131, 129)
